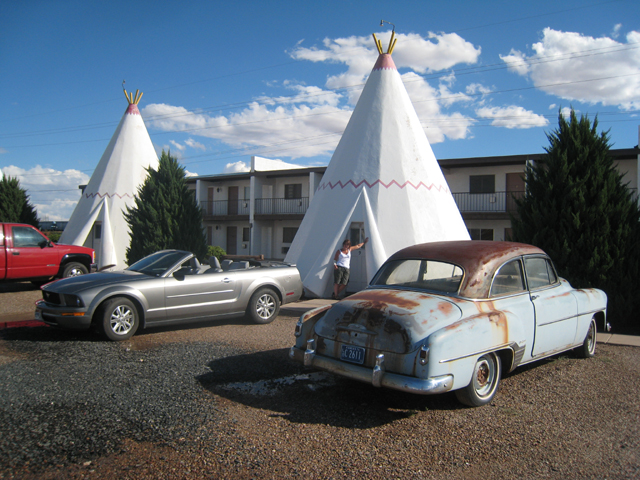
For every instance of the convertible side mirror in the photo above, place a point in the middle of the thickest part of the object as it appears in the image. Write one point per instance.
(178, 275)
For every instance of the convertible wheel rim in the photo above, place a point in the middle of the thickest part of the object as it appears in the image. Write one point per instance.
(266, 306)
(122, 319)
(484, 376)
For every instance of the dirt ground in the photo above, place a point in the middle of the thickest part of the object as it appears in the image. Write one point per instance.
(263, 417)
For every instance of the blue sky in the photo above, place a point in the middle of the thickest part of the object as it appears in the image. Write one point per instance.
(226, 80)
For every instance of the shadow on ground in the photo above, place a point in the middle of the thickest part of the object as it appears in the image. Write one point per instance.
(268, 380)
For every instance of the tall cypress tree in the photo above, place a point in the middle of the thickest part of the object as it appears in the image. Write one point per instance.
(14, 203)
(166, 214)
(579, 210)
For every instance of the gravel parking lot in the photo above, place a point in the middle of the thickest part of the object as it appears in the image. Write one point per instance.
(221, 400)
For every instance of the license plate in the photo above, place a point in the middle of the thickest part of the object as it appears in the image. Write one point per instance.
(38, 315)
(352, 354)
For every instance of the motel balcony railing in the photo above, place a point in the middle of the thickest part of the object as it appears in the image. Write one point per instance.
(219, 208)
(282, 206)
(487, 202)
(263, 206)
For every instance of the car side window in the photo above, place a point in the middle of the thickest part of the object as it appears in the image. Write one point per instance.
(508, 279)
(540, 272)
(26, 237)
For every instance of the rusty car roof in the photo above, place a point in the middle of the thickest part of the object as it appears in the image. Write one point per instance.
(478, 258)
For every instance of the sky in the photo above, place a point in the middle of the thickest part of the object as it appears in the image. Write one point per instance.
(223, 81)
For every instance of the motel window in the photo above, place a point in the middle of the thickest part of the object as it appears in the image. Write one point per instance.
(246, 234)
(482, 184)
(293, 190)
(481, 233)
(288, 234)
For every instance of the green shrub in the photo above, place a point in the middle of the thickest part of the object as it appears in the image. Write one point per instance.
(215, 251)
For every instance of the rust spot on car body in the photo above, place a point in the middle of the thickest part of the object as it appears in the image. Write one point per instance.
(386, 298)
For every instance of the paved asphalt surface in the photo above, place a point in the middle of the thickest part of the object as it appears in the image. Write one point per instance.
(221, 400)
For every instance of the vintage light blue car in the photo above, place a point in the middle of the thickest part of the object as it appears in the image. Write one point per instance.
(452, 316)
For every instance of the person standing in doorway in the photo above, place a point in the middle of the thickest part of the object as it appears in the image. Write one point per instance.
(341, 266)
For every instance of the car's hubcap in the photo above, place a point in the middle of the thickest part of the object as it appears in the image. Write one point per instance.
(591, 338)
(266, 306)
(483, 377)
(121, 320)
(75, 272)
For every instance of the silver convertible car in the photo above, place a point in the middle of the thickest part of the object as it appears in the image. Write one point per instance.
(165, 288)
(452, 316)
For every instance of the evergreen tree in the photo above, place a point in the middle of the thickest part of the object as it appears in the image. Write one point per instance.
(14, 203)
(166, 214)
(579, 210)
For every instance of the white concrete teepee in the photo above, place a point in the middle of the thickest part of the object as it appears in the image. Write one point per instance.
(383, 176)
(113, 184)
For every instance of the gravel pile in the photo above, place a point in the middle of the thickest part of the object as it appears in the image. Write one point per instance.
(222, 401)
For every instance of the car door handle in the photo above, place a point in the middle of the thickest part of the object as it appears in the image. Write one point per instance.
(533, 297)
(16, 253)
(226, 280)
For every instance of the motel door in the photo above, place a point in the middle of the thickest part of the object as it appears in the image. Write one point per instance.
(232, 240)
(358, 274)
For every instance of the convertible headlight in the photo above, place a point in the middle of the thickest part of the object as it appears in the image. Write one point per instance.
(73, 301)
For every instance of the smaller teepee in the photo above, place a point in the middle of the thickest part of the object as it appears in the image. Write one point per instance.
(384, 179)
(98, 219)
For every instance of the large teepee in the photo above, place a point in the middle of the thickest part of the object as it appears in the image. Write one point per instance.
(383, 176)
(98, 219)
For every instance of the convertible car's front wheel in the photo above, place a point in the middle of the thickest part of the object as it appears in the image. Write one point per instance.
(119, 318)
(484, 382)
(264, 306)
(588, 348)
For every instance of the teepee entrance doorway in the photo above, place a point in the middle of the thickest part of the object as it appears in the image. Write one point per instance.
(358, 273)
(96, 236)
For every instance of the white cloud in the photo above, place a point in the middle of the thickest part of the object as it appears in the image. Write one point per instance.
(196, 145)
(236, 167)
(177, 145)
(615, 33)
(566, 112)
(2, 150)
(477, 88)
(512, 117)
(291, 129)
(583, 68)
(54, 193)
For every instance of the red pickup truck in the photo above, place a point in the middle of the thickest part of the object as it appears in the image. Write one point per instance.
(26, 254)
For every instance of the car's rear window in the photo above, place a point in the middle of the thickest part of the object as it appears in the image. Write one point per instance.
(420, 274)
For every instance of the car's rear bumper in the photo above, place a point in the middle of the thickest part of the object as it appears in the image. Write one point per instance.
(67, 318)
(376, 376)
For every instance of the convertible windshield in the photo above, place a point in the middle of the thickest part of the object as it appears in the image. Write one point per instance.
(158, 263)
(421, 274)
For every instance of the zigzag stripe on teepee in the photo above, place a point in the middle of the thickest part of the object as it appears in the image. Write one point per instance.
(324, 186)
(108, 195)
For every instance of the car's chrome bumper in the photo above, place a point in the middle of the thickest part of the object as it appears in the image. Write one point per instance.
(376, 376)
(67, 318)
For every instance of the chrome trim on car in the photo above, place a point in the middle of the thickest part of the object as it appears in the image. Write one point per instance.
(404, 383)
(478, 352)
(378, 371)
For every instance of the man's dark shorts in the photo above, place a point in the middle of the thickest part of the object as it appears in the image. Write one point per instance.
(341, 275)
